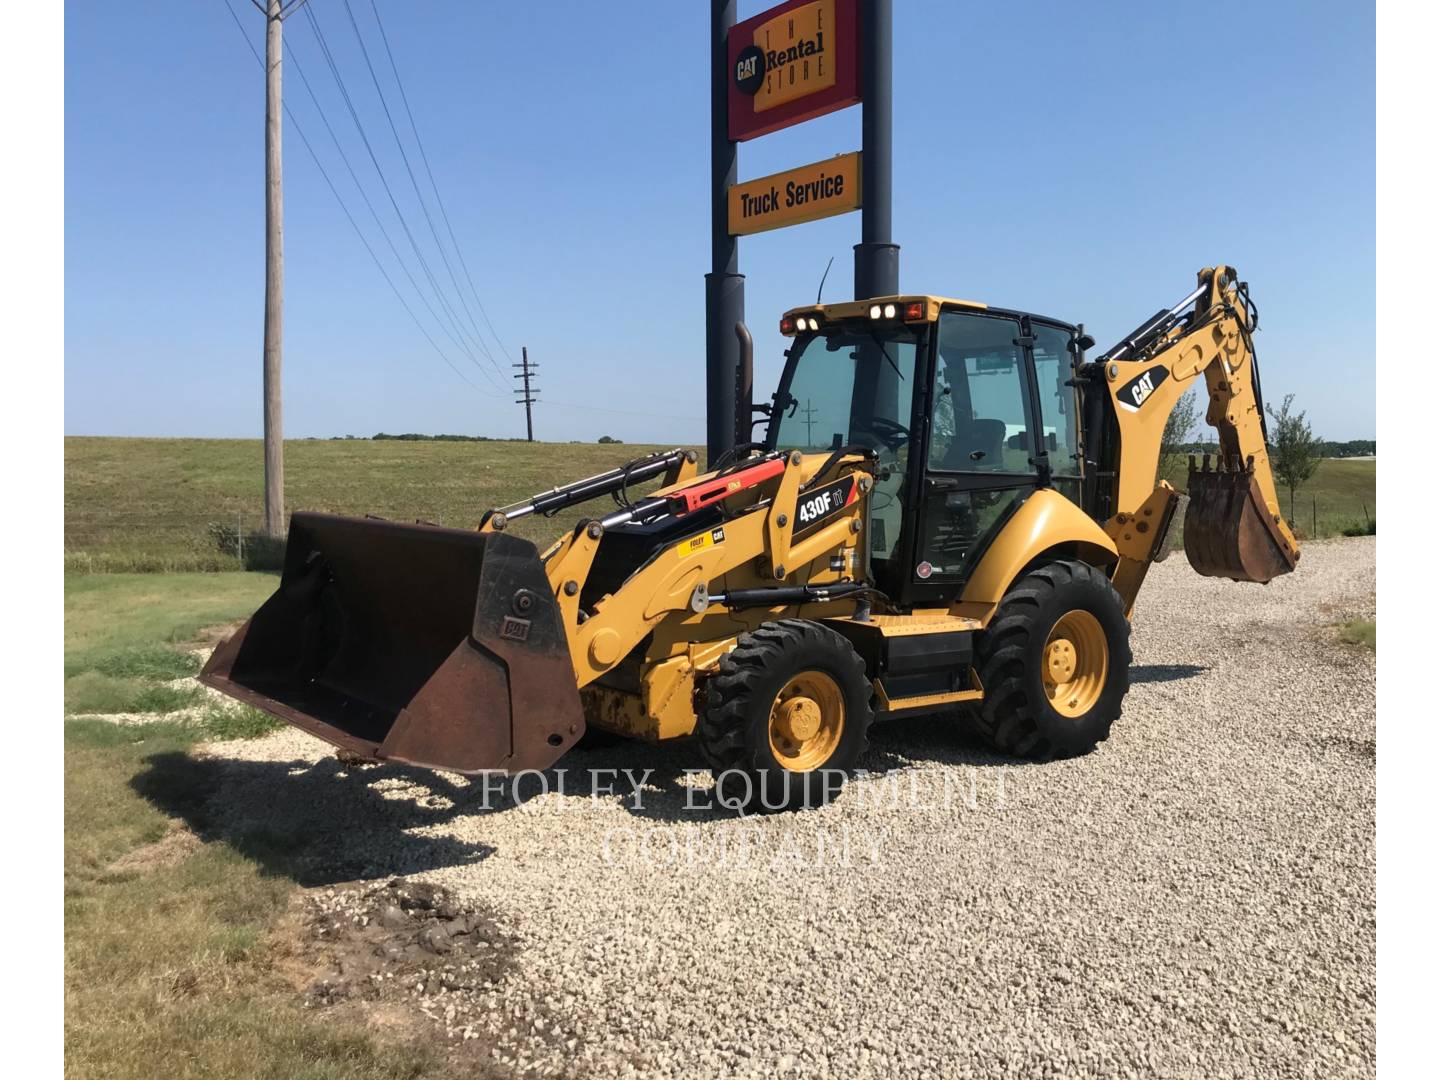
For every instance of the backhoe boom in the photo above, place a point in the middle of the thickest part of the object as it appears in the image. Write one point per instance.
(1233, 525)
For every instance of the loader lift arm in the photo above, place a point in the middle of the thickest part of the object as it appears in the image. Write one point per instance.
(1233, 525)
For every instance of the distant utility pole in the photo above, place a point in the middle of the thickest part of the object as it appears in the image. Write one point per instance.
(809, 412)
(275, 12)
(527, 397)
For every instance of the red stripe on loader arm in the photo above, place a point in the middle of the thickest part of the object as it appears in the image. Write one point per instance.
(703, 494)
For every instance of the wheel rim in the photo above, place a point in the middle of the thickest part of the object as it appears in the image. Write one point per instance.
(807, 719)
(1074, 663)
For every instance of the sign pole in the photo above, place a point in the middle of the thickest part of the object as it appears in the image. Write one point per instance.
(724, 285)
(877, 260)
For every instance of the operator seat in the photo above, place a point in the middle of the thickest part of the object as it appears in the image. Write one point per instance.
(978, 445)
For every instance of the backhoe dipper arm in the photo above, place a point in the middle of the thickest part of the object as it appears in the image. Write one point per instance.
(1233, 526)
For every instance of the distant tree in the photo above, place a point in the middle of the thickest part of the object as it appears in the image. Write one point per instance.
(608, 439)
(1349, 448)
(1294, 448)
(1176, 439)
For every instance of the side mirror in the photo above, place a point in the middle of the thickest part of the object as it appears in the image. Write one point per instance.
(1083, 342)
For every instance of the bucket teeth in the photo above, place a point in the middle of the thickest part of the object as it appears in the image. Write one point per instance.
(1229, 532)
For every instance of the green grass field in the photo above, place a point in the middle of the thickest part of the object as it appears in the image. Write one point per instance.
(124, 638)
(149, 504)
(156, 504)
(1342, 490)
(169, 936)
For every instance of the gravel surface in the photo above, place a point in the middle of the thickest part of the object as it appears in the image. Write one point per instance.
(1196, 898)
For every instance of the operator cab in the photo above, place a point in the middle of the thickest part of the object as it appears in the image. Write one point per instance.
(968, 409)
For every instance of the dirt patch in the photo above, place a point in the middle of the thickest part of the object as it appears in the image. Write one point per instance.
(1360, 749)
(403, 958)
(206, 640)
(172, 849)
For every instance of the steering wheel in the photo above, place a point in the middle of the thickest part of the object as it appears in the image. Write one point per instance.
(893, 434)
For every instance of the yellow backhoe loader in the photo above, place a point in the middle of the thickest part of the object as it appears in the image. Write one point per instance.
(951, 509)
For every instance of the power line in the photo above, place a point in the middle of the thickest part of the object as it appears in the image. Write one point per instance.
(389, 192)
(424, 157)
(374, 214)
(395, 71)
(415, 184)
(346, 210)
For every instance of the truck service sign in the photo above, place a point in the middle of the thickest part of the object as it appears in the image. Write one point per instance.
(808, 193)
(791, 64)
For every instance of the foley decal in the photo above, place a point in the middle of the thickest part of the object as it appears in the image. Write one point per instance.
(814, 508)
(1138, 390)
(699, 543)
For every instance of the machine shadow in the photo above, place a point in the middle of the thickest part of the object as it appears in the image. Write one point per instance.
(1156, 673)
(940, 738)
(327, 822)
(318, 823)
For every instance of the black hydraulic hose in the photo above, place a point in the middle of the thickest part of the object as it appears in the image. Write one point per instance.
(732, 455)
(1248, 326)
(788, 595)
(835, 455)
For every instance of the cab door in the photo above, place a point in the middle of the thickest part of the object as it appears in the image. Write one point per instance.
(978, 462)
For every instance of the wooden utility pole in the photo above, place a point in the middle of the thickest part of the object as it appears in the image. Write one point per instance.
(274, 277)
(809, 412)
(527, 397)
(275, 12)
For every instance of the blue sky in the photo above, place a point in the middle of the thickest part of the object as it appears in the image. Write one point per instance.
(1079, 160)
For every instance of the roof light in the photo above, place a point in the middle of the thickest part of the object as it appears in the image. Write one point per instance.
(915, 309)
(889, 311)
(787, 325)
(874, 311)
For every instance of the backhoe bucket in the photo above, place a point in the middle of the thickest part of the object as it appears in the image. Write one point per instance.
(1229, 532)
(437, 647)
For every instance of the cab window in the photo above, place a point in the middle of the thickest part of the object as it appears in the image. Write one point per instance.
(1054, 370)
(978, 419)
(979, 461)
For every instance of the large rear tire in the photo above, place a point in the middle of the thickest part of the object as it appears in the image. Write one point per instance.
(786, 718)
(1054, 663)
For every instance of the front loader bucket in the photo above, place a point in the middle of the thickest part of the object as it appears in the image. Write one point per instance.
(437, 647)
(1229, 532)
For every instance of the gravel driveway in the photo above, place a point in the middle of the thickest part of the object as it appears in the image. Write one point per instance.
(1196, 898)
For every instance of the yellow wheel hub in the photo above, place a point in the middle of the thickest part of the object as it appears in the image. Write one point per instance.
(807, 719)
(1074, 663)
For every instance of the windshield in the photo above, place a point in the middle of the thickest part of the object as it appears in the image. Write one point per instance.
(845, 388)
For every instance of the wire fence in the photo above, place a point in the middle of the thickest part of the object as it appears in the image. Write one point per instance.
(137, 541)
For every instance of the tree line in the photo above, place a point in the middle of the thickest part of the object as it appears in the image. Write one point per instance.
(1295, 450)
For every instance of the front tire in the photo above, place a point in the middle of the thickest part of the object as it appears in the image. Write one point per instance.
(786, 717)
(1054, 663)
